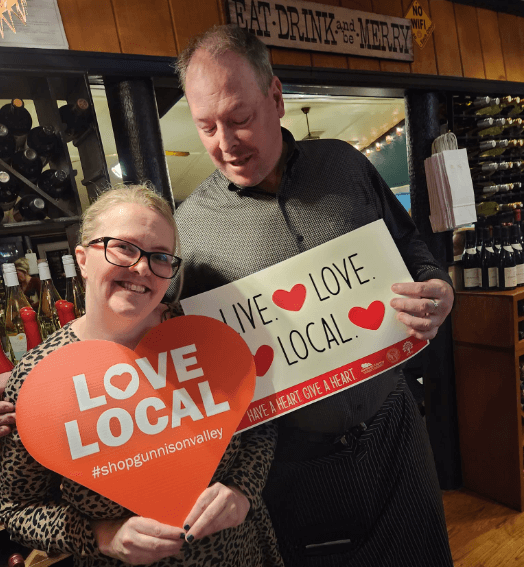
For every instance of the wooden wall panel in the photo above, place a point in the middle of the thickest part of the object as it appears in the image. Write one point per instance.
(469, 41)
(89, 25)
(512, 40)
(361, 63)
(290, 57)
(191, 17)
(446, 40)
(391, 8)
(145, 28)
(491, 47)
(424, 59)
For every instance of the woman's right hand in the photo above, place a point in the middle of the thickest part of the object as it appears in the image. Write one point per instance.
(137, 540)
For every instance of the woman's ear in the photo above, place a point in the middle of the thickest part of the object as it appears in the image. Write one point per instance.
(80, 253)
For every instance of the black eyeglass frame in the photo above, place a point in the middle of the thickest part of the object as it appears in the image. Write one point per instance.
(106, 239)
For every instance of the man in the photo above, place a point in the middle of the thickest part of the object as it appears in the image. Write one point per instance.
(353, 482)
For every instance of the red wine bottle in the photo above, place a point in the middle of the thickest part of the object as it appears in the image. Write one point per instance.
(44, 141)
(7, 143)
(470, 262)
(76, 117)
(519, 254)
(28, 164)
(507, 263)
(8, 190)
(30, 208)
(16, 117)
(54, 183)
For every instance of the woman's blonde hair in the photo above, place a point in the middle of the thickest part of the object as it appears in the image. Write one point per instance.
(143, 194)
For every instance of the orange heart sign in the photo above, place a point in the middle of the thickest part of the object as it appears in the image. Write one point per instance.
(144, 428)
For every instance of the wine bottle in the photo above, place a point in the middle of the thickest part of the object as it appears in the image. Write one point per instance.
(30, 208)
(474, 104)
(14, 325)
(488, 263)
(519, 254)
(47, 315)
(44, 141)
(16, 560)
(27, 163)
(74, 290)
(507, 263)
(472, 125)
(7, 143)
(54, 183)
(470, 262)
(484, 169)
(8, 190)
(66, 311)
(487, 208)
(16, 117)
(76, 117)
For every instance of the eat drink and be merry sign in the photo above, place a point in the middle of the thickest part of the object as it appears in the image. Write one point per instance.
(317, 323)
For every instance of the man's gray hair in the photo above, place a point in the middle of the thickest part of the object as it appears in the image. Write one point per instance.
(220, 39)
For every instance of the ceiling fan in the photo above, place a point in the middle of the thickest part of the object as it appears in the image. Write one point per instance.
(311, 135)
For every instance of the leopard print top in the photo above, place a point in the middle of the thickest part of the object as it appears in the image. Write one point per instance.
(45, 511)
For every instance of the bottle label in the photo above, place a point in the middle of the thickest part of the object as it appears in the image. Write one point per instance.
(471, 250)
(520, 274)
(517, 246)
(471, 278)
(490, 249)
(510, 277)
(492, 277)
(18, 344)
(508, 248)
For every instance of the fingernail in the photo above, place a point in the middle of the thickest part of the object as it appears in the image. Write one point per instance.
(187, 527)
(182, 535)
(190, 538)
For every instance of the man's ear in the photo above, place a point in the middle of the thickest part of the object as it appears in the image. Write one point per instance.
(275, 92)
(80, 253)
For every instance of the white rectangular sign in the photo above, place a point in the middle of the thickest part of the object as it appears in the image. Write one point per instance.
(319, 27)
(318, 323)
(31, 23)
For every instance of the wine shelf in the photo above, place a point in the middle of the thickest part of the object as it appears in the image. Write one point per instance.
(490, 417)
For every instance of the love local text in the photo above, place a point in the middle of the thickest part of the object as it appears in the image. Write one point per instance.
(183, 404)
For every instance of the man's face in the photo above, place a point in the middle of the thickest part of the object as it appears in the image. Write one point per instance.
(237, 123)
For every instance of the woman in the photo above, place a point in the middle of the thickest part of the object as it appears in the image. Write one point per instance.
(127, 256)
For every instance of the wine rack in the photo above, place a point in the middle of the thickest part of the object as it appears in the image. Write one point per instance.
(489, 353)
(48, 93)
(491, 128)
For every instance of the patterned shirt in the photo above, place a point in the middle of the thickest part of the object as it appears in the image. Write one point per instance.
(327, 189)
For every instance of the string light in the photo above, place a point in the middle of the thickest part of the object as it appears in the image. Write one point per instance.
(386, 138)
(400, 131)
(389, 139)
(378, 146)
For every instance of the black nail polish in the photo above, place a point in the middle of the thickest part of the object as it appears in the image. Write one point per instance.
(187, 527)
(190, 538)
(182, 535)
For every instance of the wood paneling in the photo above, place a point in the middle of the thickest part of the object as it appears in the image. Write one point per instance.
(446, 40)
(191, 17)
(89, 25)
(145, 28)
(290, 57)
(512, 40)
(469, 41)
(329, 59)
(391, 8)
(491, 46)
(424, 59)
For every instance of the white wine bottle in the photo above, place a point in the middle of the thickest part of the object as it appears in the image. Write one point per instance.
(47, 314)
(14, 325)
(74, 291)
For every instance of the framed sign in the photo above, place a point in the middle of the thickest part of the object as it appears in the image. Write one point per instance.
(319, 27)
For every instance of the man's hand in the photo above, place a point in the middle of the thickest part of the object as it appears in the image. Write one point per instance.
(7, 410)
(424, 307)
(218, 507)
(137, 540)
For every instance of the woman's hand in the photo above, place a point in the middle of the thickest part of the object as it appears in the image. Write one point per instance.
(218, 507)
(137, 540)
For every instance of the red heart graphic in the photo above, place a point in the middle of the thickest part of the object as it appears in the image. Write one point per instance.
(263, 359)
(154, 445)
(290, 300)
(370, 318)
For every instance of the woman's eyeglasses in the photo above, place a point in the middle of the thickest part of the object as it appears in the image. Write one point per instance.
(124, 254)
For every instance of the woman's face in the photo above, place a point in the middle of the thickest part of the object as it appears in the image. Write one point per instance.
(130, 293)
